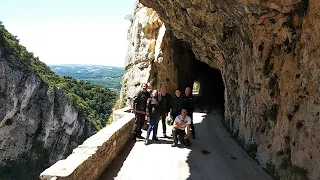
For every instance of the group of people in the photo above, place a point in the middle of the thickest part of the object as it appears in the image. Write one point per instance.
(155, 106)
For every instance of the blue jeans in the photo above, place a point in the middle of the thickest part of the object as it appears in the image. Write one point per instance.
(153, 124)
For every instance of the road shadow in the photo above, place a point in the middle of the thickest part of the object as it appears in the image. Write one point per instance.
(161, 141)
(215, 155)
(113, 169)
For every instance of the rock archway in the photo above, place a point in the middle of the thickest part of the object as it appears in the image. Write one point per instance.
(211, 92)
(176, 66)
(267, 57)
(189, 69)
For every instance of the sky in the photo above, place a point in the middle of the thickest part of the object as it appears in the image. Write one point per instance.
(70, 31)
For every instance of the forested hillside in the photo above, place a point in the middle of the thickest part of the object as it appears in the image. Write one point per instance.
(91, 99)
(106, 76)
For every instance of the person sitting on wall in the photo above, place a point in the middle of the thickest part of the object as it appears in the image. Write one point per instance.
(180, 124)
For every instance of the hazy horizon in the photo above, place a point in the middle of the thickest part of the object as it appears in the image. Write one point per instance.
(84, 65)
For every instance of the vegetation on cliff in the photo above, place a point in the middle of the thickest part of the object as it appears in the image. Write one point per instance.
(106, 76)
(91, 99)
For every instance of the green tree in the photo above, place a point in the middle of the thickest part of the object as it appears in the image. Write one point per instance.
(129, 17)
(196, 86)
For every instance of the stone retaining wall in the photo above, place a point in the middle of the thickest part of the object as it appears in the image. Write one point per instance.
(89, 160)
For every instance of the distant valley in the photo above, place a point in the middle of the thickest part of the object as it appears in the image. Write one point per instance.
(107, 76)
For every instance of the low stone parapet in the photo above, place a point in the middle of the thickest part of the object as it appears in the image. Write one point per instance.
(89, 160)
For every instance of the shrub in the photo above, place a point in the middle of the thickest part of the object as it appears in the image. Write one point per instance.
(268, 66)
(251, 149)
(272, 85)
(271, 113)
(129, 17)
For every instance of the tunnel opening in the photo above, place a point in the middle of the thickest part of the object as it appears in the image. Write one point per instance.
(211, 88)
(196, 87)
(192, 72)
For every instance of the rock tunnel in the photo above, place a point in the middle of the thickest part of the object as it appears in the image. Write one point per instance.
(268, 68)
(190, 70)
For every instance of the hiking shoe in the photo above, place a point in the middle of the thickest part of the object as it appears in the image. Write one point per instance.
(147, 142)
(186, 145)
(174, 145)
(140, 137)
(165, 136)
(155, 139)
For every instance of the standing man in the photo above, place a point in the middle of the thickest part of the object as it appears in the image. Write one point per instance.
(165, 103)
(188, 103)
(176, 104)
(180, 123)
(139, 105)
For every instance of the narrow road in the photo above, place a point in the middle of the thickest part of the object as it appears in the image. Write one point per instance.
(214, 155)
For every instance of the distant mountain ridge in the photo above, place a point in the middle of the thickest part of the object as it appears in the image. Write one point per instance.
(107, 76)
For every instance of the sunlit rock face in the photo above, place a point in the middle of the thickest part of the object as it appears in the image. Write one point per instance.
(146, 61)
(268, 55)
(38, 124)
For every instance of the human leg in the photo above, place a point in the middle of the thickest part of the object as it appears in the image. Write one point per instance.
(174, 115)
(139, 120)
(151, 126)
(149, 129)
(155, 120)
(186, 142)
(175, 137)
(164, 126)
(193, 132)
(181, 134)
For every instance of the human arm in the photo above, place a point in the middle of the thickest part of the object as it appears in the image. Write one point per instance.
(176, 125)
(171, 106)
(148, 111)
(192, 104)
(188, 132)
(134, 101)
(168, 106)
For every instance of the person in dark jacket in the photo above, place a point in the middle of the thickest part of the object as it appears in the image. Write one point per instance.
(138, 106)
(165, 104)
(176, 104)
(153, 115)
(188, 104)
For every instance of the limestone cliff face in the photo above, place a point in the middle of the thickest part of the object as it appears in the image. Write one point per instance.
(145, 62)
(268, 56)
(38, 124)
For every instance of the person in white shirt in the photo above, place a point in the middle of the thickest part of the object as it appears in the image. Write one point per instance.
(180, 124)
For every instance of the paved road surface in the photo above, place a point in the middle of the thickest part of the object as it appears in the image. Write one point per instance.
(214, 155)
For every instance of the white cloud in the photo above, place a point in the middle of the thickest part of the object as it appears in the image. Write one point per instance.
(63, 43)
